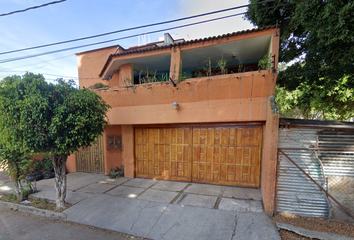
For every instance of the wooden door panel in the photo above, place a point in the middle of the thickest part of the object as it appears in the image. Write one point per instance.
(163, 153)
(221, 155)
(227, 155)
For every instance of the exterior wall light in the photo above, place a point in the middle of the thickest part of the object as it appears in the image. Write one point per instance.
(175, 105)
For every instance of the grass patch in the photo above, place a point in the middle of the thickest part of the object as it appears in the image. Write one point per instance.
(36, 202)
(42, 204)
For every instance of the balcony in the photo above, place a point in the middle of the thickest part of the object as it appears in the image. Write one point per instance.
(213, 80)
(179, 62)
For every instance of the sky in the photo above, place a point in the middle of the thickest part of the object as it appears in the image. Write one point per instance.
(82, 18)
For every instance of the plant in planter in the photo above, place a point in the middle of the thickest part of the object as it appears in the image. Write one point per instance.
(164, 77)
(99, 86)
(265, 63)
(128, 82)
(207, 68)
(222, 65)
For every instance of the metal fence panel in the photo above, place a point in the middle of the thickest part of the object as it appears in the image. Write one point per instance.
(330, 163)
(337, 163)
(297, 194)
(339, 168)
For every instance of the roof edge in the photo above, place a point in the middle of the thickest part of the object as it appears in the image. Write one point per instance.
(98, 49)
(211, 38)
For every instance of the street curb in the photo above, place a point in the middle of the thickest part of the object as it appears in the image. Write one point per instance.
(33, 210)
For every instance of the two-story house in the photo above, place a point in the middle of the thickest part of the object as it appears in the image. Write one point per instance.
(195, 111)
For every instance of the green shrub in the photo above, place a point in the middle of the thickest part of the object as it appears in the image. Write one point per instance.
(116, 172)
(99, 85)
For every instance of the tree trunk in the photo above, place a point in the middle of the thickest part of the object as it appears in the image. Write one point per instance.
(59, 162)
(17, 182)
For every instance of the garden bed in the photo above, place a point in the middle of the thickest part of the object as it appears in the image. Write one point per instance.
(36, 202)
(316, 224)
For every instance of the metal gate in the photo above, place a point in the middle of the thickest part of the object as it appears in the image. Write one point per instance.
(296, 193)
(316, 169)
(91, 159)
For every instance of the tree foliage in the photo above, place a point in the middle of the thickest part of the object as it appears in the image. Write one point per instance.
(14, 156)
(53, 118)
(318, 35)
(15, 163)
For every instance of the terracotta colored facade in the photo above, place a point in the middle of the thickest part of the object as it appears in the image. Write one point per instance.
(241, 97)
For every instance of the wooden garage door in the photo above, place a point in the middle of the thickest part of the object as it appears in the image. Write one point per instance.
(227, 156)
(163, 153)
(219, 155)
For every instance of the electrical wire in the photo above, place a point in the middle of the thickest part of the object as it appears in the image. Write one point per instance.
(112, 40)
(9, 69)
(31, 8)
(45, 74)
(135, 28)
(136, 35)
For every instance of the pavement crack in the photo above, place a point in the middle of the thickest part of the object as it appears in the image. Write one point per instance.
(234, 231)
(155, 205)
(133, 205)
(140, 212)
(162, 212)
(163, 235)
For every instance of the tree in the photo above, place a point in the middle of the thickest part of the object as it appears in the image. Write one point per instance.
(15, 162)
(317, 35)
(14, 157)
(57, 119)
(317, 102)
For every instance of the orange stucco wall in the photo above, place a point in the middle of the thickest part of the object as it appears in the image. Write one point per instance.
(70, 163)
(90, 65)
(112, 158)
(269, 164)
(226, 98)
(176, 63)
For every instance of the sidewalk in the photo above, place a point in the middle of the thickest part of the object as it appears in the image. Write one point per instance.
(163, 209)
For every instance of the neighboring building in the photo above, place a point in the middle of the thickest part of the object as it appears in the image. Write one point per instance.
(222, 131)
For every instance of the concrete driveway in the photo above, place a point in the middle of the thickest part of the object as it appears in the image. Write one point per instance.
(163, 209)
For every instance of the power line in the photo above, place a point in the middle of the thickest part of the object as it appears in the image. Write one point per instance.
(8, 69)
(112, 40)
(31, 8)
(49, 74)
(135, 35)
(135, 28)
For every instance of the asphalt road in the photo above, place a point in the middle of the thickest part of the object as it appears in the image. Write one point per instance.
(16, 225)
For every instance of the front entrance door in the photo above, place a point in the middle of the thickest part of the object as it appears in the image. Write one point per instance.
(91, 159)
